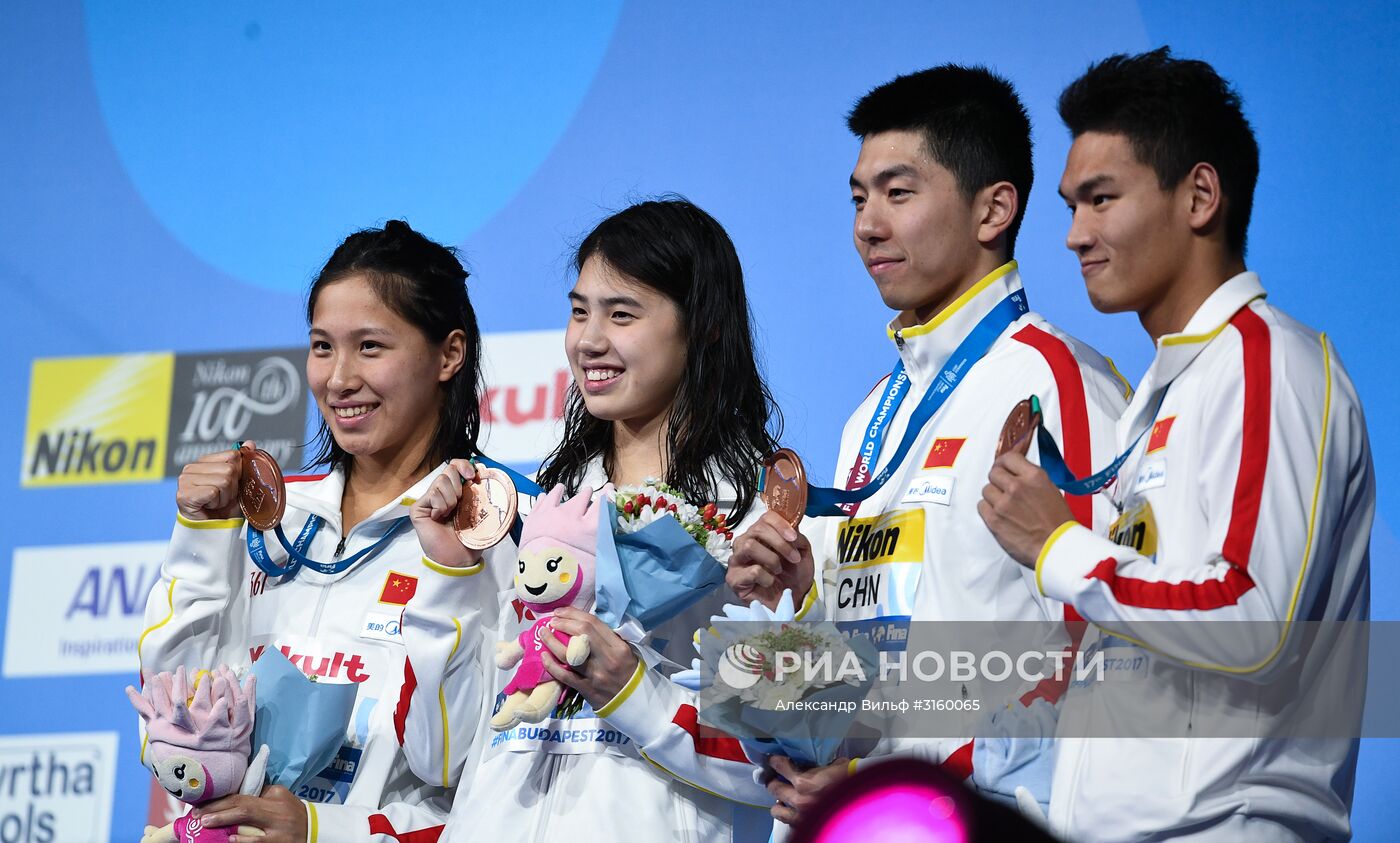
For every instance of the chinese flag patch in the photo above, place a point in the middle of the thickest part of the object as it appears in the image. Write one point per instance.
(398, 588)
(1157, 439)
(944, 452)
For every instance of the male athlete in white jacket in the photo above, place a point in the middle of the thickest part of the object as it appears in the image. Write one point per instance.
(1247, 496)
(939, 191)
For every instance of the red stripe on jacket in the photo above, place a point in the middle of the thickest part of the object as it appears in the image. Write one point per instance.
(379, 824)
(708, 741)
(1244, 508)
(1079, 459)
(410, 684)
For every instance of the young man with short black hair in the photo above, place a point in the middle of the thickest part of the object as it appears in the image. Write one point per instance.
(939, 191)
(1247, 494)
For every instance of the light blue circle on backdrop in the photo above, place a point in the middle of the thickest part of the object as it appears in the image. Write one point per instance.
(262, 133)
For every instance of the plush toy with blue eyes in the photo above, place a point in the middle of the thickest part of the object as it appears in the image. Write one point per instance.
(558, 546)
(198, 745)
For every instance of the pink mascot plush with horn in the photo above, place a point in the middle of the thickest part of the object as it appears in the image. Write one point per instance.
(556, 568)
(198, 745)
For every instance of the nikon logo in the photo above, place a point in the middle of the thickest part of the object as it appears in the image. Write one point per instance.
(80, 452)
(97, 420)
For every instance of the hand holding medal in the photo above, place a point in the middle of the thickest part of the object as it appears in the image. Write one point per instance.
(772, 556)
(468, 509)
(1023, 421)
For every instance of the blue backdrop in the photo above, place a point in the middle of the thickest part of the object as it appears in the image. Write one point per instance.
(165, 166)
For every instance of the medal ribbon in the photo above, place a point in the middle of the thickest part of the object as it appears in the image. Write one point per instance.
(1054, 463)
(824, 501)
(257, 549)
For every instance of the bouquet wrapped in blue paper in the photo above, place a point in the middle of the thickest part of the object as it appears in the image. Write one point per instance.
(657, 554)
(301, 721)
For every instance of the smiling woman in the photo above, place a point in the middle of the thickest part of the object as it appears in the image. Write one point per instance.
(665, 387)
(393, 367)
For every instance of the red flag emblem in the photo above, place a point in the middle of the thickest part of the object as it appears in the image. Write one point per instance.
(1157, 440)
(944, 452)
(398, 588)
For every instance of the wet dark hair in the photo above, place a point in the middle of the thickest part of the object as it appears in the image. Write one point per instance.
(973, 124)
(723, 421)
(425, 284)
(1176, 113)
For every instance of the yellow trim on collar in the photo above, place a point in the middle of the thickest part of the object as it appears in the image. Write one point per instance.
(1188, 339)
(946, 313)
(407, 501)
(851, 767)
(454, 572)
(807, 602)
(311, 824)
(1045, 551)
(209, 524)
(632, 685)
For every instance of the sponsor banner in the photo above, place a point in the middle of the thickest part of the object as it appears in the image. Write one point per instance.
(219, 399)
(142, 417)
(90, 599)
(57, 787)
(97, 420)
(527, 384)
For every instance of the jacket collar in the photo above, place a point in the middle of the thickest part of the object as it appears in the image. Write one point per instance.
(322, 497)
(1175, 352)
(925, 348)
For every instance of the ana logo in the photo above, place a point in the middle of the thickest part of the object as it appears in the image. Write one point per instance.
(88, 598)
(741, 666)
(97, 420)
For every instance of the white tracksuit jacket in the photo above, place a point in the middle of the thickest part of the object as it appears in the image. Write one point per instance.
(212, 605)
(589, 775)
(918, 550)
(1250, 499)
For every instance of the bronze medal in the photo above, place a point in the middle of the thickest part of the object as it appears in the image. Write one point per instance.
(262, 494)
(1020, 424)
(785, 486)
(486, 509)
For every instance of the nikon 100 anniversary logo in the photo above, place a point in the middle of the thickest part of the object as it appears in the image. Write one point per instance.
(142, 417)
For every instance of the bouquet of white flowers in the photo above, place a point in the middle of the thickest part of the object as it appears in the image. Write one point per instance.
(658, 554)
(782, 687)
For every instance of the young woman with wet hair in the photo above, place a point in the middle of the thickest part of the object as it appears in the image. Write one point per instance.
(665, 387)
(393, 365)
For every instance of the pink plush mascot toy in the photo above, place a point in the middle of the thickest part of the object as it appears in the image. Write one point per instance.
(198, 744)
(557, 550)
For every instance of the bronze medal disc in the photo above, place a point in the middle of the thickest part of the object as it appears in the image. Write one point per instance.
(1016, 432)
(785, 486)
(486, 510)
(262, 494)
